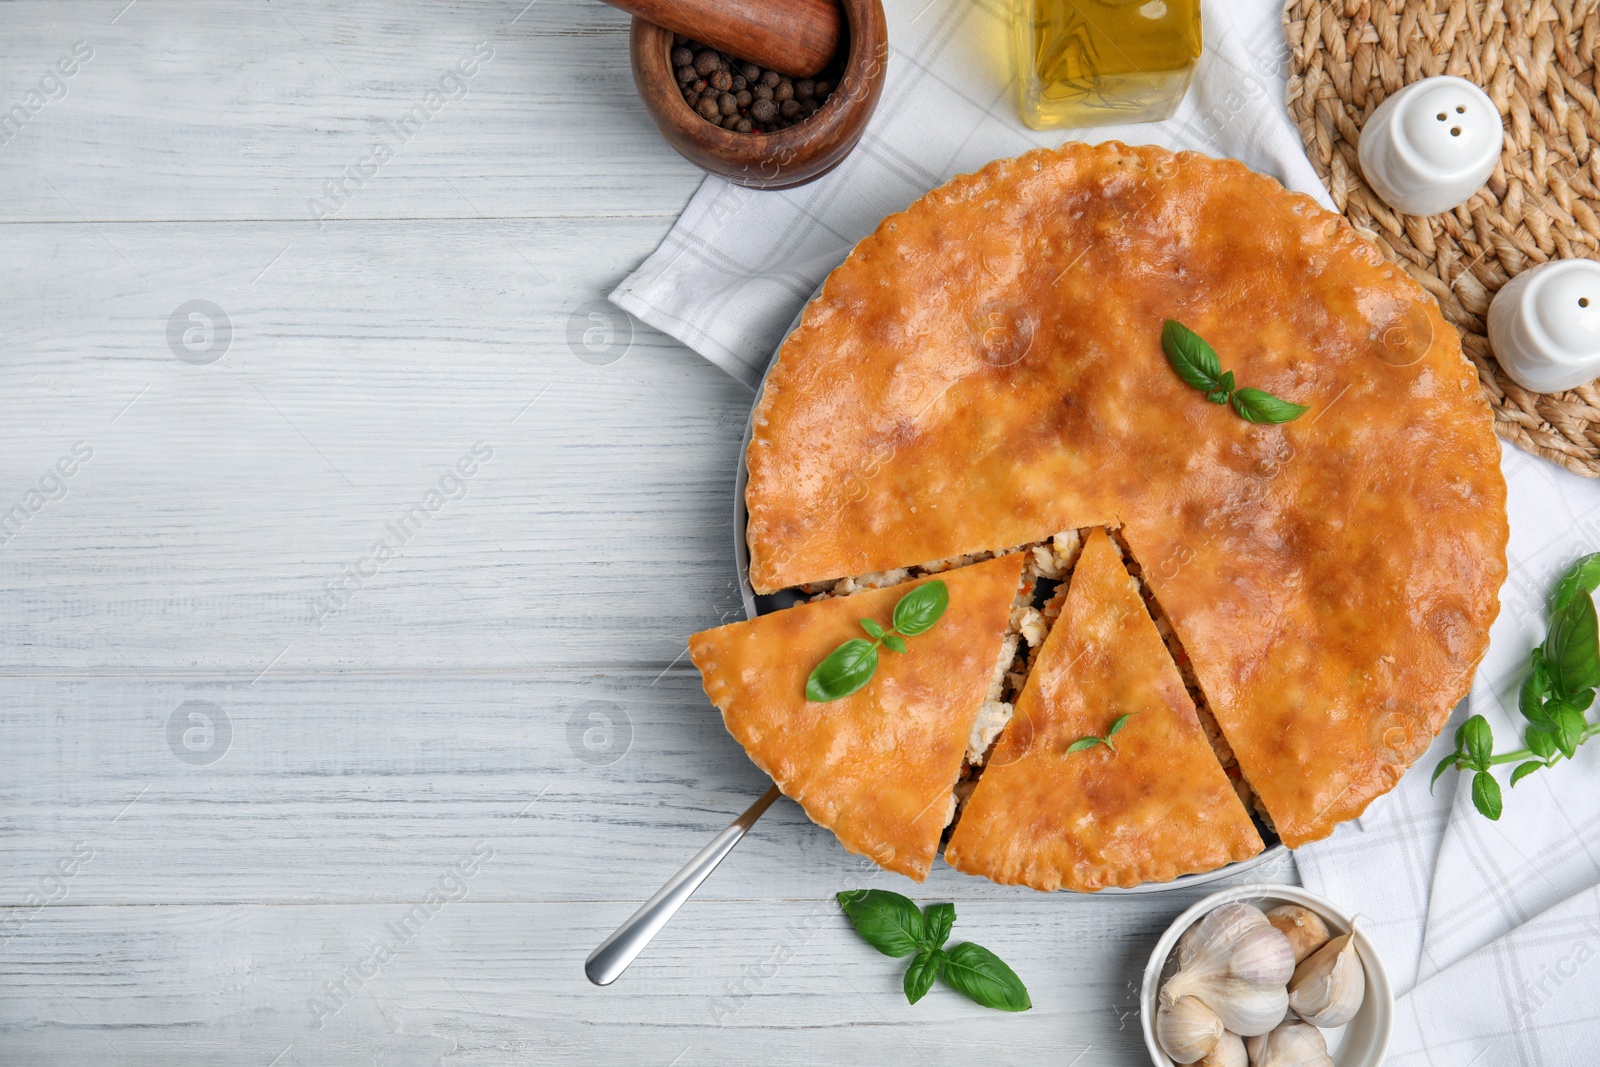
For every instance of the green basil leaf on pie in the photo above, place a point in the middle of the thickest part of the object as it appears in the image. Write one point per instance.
(921, 608)
(1224, 390)
(1195, 361)
(1584, 575)
(1572, 649)
(1524, 769)
(872, 627)
(1085, 742)
(937, 922)
(1477, 741)
(894, 642)
(888, 922)
(1486, 795)
(984, 977)
(1121, 721)
(920, 975)
(847, 668)
(1258, 405)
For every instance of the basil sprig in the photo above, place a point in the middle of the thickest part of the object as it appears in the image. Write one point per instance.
(1089, 742)
(894, 926)
(1562, 677)
(1197, 364)
(852, 664)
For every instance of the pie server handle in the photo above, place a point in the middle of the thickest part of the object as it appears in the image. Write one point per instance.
(606, 963)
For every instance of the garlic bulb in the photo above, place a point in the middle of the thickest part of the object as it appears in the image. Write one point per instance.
(1303, 927)
(1228, 1053)
(1237, 964)
(1187, 1030)
(1292, 1044)
(1328, 987)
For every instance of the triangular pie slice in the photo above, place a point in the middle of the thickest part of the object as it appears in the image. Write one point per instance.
(878, 767)
(1157, 807)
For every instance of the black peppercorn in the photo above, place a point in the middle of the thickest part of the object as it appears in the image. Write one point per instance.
(763, 111)
(721, 81)
(771, 78)
(762, 92)
(742, 126)
(784, 90)
(682, 57)
(708, 109)
(804, 89)
(706, 62)
(730, 121)
(823, 89)
(789, 108)
(750, 71)
(739, 83)
(686, 75)
(698, 86)
(743, 97)
(727, 103)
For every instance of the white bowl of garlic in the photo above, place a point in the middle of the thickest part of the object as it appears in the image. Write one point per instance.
(1266, 976)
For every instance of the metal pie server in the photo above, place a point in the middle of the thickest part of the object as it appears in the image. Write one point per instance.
(606, 963)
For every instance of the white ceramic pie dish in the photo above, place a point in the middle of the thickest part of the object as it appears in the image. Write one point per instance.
(760, 605)
(1362, 1042)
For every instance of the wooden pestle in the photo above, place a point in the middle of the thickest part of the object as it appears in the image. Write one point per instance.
(793, 37)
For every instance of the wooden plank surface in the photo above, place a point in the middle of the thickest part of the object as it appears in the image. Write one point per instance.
(251, 780)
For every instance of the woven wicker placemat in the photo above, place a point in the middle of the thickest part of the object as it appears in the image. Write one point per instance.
(1536, 60)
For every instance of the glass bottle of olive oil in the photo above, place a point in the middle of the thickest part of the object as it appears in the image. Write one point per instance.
(1098, 62)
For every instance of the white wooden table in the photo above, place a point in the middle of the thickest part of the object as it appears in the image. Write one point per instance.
(246, 820)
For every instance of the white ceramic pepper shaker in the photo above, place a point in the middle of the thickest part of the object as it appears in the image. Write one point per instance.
(1430, 146)
(1544, 325)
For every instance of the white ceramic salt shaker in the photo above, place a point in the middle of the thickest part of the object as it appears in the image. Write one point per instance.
(1544, 325)
(1431, 145)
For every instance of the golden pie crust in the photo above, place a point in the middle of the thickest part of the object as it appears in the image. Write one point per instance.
(986, 370)
(877, 767)
(1158, 807)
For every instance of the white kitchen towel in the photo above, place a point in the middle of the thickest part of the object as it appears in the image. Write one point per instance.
(1490, 930)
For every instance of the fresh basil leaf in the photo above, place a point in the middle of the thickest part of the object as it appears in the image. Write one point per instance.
(1476, 739)
(1121, 721)
(937, 922)
(888, 921)
(1223, 391)
(847, 668)
(1195, 361)
(1085, 742)
(920, 975)
(1486, 795)
(1535, 690)
(1541, 742)
(1584, 575)
(1438, 772)
(1572, 648)
(872, 627)
(1570, 725)
(1523, 770)
(984, 977)
(1258, 405)
(894, 643)
(921, 608)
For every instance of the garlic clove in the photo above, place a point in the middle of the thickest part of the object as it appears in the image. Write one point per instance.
(1327, 989)
(1228, 1053)
(1244, 1008)
(1187, 1030)
(1292, 1044)
(1212, 936)
(1263, 956)
(1303, 927)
